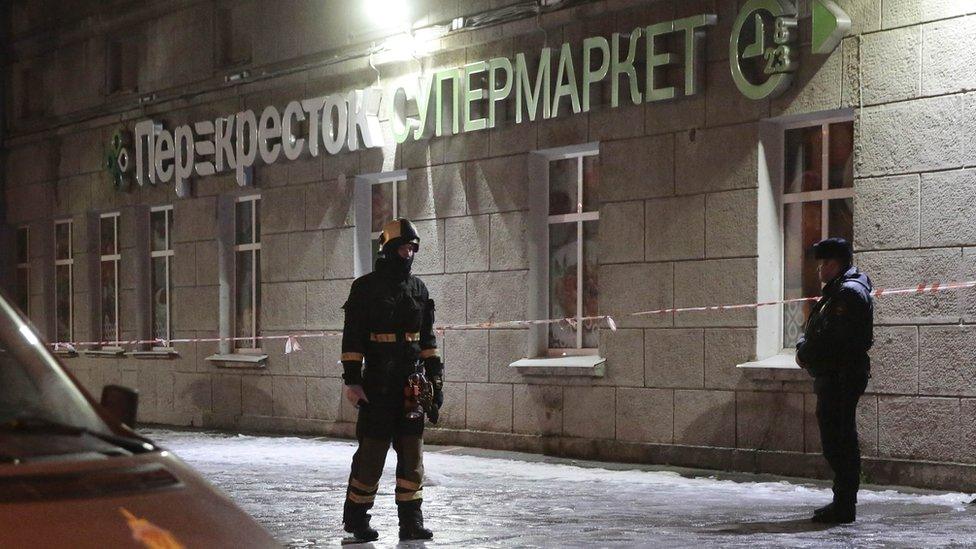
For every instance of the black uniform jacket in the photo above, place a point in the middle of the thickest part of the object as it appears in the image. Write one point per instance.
(389, 324)
(840, 329)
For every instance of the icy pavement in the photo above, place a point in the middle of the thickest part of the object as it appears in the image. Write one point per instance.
(295, 487)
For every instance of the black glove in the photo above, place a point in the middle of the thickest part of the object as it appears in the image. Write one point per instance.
(433, 367)
(352, 372)
(438, 392)
(799, 351)
(435, 413)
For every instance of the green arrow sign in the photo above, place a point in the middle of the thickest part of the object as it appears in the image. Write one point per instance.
(830, 25)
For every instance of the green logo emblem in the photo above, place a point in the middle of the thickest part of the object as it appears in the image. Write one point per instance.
(117, 160)
(762, 49)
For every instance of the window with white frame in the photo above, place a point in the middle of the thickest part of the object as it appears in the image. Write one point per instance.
(64, 262)
(817, 203)
(384, 206)
(108, 275)
(378, 198)
(161, 256)
(573, 225)
(23, 269)
(247, 276)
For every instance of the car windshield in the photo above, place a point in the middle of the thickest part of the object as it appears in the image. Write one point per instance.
(32, 384)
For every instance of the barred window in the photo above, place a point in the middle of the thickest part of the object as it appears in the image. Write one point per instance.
(247, 261)
(108, 275)
(818, 202)
(161, 256)
(63, 280)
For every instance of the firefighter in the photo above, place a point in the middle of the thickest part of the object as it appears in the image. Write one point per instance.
(834, 350)
(388, 333)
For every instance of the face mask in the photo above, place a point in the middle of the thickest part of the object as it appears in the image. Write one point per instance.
(392, 261)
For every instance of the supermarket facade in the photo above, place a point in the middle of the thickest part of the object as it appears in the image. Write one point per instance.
(218, 171)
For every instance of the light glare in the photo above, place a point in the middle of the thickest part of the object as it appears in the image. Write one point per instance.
(388, 13)
(29, 335)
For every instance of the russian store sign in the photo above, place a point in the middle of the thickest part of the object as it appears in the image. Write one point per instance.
(762, 55)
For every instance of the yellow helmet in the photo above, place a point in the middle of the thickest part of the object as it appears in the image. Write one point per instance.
(398, 232)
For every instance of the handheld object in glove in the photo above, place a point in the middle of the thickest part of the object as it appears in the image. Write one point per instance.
(419, 396)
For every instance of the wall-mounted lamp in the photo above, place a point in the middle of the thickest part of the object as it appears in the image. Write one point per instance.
(388, 13)
(404, 46)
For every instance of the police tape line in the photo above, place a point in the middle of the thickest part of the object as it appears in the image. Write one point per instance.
(292, 343)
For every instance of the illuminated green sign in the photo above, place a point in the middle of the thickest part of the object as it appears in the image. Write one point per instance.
(762, 53)
(762, 47)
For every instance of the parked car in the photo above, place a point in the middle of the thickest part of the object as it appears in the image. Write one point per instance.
(73, 474)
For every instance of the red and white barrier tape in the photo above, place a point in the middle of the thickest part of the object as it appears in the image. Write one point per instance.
(291, 341)
(292, 344)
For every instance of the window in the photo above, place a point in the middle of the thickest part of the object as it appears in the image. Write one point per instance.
(233, 37)
(562, 283)
(806, 190)
(818, 202)
(108, 276)
(122, 63)
(239, 275)
(384, 207)
(161, 266)
(32, 96)
(247, 264)
(23, 269)
(378, 199)
(63, 281)
(573, 226)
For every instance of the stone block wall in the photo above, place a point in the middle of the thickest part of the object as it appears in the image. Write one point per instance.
(679, 187)
(913, 189)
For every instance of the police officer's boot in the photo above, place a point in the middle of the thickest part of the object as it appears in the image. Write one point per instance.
(355, 520)
(824, 509)
(412, 521)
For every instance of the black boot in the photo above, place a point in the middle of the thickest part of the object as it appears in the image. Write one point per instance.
(355, 520)
(824, 509)
(412, 521)
(363, 533)
(836, 513)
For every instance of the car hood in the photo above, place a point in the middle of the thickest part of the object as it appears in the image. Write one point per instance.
(27, 447)
(148, 500)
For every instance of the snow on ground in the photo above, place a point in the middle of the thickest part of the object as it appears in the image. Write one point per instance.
(295, 488)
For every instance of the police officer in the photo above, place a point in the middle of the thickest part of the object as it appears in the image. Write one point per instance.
(834, 350)
(389, 319)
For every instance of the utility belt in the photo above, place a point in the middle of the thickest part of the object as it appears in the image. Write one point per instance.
(395, 337)
(389, 359)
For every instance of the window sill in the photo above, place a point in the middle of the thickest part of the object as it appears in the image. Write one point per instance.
(64, 353)
(785, 361)
(104, 352)
(158, 353)
(781, 367)
(584, 366)
(238, 361)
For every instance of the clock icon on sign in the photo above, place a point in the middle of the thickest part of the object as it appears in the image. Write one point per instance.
(761, 49)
